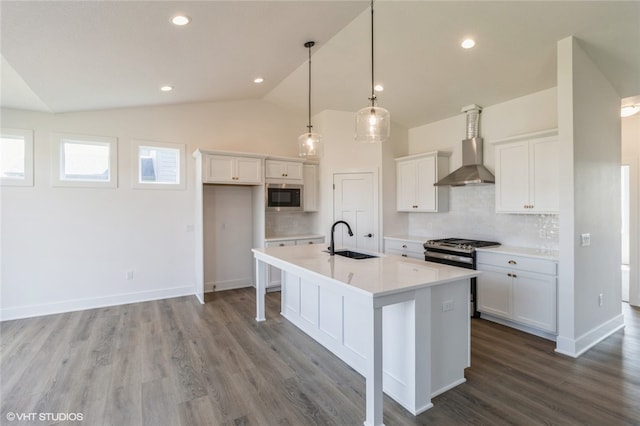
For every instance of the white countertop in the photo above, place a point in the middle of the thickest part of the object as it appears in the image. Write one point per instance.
(294, 237)
(379, 276)
(523, 251)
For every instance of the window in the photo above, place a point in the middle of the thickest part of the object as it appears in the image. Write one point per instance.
(84, 161)
(16, 157)
(158, 165)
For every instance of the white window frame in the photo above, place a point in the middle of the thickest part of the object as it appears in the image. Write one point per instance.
(57, 158)
(135, 161)
(27, 135)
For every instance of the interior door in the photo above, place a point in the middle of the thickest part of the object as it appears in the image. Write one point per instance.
(355, 200)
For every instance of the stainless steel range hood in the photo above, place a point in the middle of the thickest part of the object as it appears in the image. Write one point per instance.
(472, 170)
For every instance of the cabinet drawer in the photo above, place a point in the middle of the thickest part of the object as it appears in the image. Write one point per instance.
(307, 241)
(522, 263)
(280, 243)
(405, 254)
(413, 247)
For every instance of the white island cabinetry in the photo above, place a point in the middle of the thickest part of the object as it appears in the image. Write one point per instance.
(273, 273)
(402, 323)
(518, 287)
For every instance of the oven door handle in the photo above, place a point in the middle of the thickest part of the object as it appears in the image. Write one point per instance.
(445, 256)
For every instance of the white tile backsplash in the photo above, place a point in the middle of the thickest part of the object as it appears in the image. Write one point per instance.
(472, 215)
(286, 224)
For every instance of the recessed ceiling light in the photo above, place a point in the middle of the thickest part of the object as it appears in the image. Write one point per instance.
(378, 88)
(166, 88)
(180, 20)
(468, 43)
(629, 110)
(258, 80)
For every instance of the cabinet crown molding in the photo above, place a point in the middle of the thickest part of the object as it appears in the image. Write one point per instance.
(425, 154)
(526, 136)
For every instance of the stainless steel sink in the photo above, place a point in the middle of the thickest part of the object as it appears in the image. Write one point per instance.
(354, 254)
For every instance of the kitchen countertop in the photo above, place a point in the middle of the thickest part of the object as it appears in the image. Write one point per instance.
(384, 275)
(523, 251)
(294, 237)
(411, 238)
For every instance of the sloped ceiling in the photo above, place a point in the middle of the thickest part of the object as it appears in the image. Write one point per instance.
(73, 56)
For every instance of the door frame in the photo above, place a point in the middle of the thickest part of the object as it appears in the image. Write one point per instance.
(376, 198)
(634, 228)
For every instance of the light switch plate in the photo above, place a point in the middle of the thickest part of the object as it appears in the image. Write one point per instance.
(585, 240)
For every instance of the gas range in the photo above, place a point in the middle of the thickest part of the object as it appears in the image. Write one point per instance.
(460, 245)
(458, 252)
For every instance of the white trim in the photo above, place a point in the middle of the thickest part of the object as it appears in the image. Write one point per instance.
(228, 285)
(576, 347)
(28, 311)
(27, 136)
(135, 162)
(57, 160)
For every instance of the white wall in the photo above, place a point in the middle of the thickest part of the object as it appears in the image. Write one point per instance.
(70, 248)
(472, 208)
(589, 134)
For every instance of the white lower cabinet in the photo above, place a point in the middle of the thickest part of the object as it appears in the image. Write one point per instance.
(273, 274)
(519, 289)
(404, 247)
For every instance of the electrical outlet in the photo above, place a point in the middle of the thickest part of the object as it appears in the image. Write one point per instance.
(585, 240)
(600, 299)
(447, 305)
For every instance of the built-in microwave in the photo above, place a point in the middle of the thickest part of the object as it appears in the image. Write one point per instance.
(284, 197)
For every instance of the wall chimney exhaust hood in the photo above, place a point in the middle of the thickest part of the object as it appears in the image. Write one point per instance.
(472, 172)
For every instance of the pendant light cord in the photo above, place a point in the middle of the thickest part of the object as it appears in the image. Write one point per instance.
(309, 45)
(373, 93)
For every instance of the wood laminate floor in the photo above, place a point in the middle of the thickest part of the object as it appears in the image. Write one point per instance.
(176, 362)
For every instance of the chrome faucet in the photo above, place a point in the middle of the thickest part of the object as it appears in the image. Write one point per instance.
(332, 249)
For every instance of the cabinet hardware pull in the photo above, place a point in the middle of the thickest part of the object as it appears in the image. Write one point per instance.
(404, 246)
(513, 262)
(369, 235)
(514, 275)
(509, 274)
(281, 244)
(404, 255)
(310, 242)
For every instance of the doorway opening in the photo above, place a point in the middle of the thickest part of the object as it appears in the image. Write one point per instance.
(625, 193)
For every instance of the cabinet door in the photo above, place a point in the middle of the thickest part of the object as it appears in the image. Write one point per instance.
(426, 195)
(293, 170)
(512, 177)
(544, 184)
(273, 169)
(310, 188)
(309, 241)
(406, 182)
(534, 300)
(248, 170)
(283, 170)
(218, 168)
(494, 291)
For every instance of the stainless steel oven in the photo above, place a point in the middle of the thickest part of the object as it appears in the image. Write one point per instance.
(461, 253)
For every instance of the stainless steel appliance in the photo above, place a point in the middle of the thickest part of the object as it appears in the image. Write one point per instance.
(458, 252)
(284, 197)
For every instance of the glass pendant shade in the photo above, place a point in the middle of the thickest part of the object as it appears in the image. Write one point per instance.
(310, 145)
(373, 124)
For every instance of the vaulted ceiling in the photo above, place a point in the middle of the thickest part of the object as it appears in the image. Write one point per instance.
(86, 55)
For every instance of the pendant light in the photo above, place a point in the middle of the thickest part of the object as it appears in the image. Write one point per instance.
(310, 143)
(373, 123)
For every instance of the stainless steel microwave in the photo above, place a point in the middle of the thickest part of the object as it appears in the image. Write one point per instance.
(284, 197)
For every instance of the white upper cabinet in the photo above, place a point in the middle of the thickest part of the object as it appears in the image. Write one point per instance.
(527, 174)
(288, 170)
(415, 176)
(232, 169)
(311, 187)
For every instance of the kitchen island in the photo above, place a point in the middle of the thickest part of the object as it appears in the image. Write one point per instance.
(402, 323)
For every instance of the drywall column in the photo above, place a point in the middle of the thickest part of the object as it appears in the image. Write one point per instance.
(589, 133)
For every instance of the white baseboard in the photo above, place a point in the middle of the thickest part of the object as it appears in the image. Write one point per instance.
(19, 312)
(576, 347)
(518, 326)
(227, 285)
